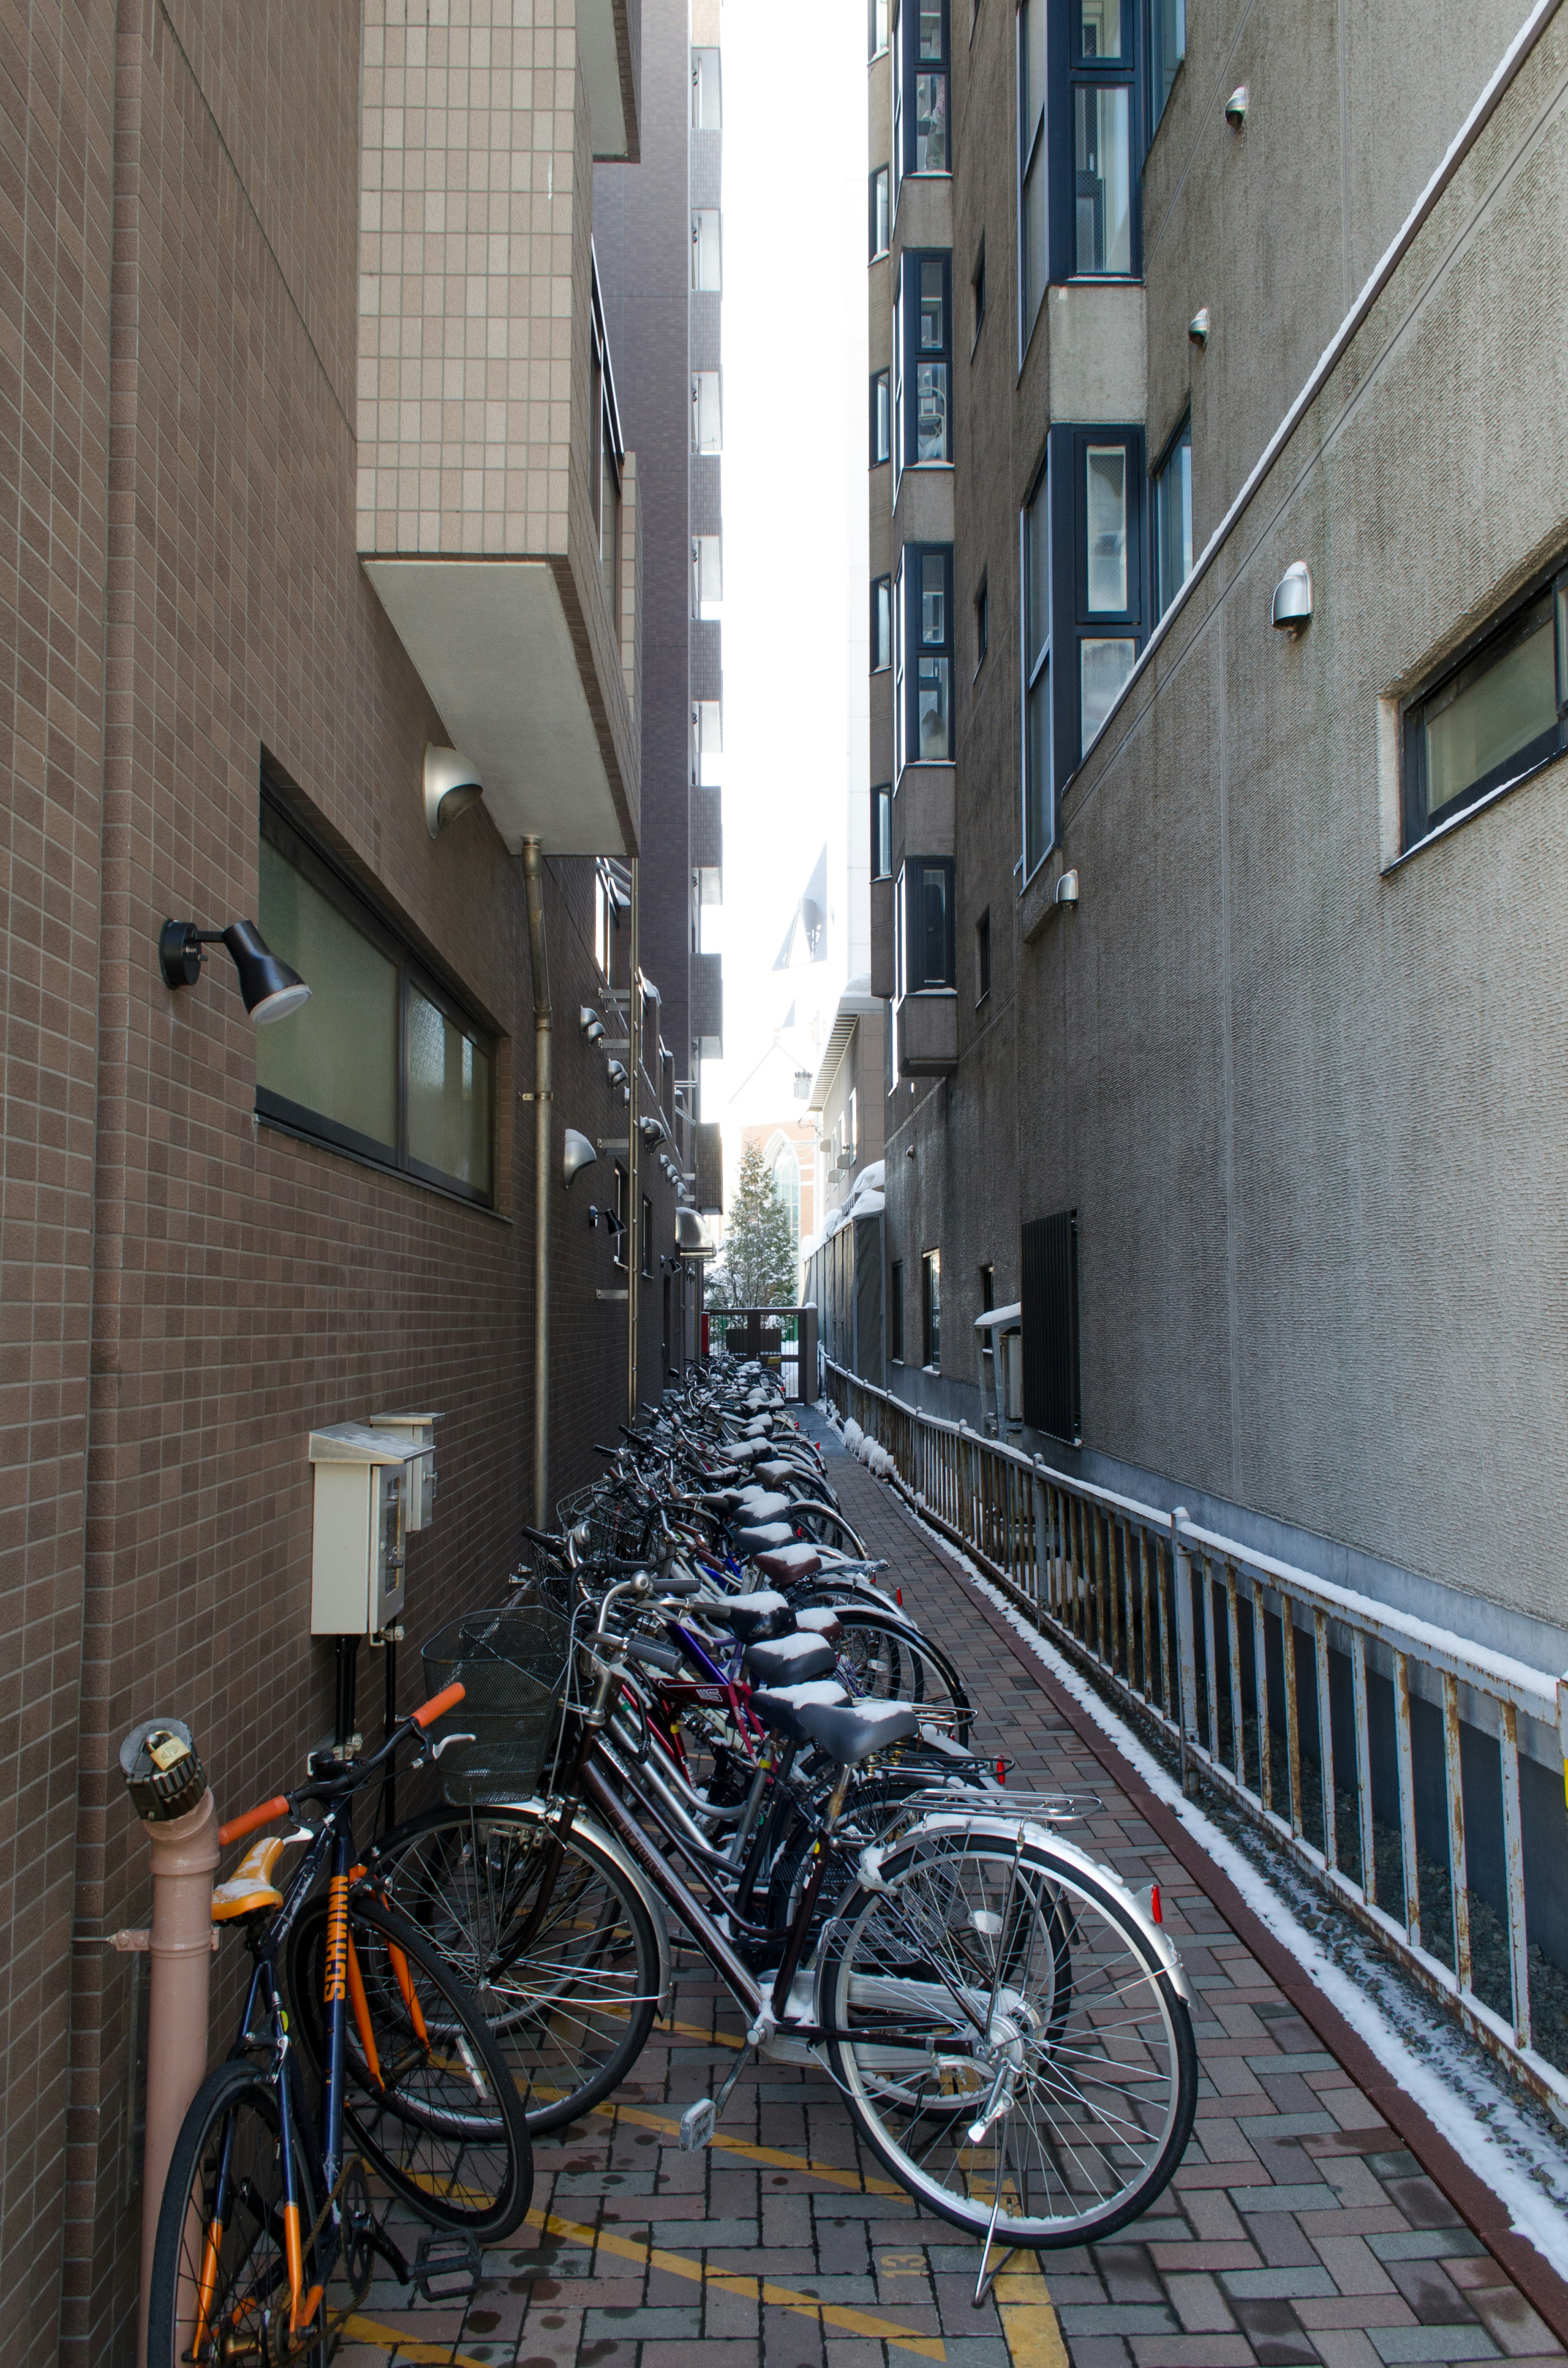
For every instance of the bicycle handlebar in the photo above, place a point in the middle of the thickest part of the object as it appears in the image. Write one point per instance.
(438, 1705)
(262, 1815)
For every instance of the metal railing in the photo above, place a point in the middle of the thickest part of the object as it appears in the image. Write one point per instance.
(1335, 1722)
(784, 1339)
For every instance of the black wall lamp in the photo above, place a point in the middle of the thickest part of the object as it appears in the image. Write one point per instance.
(272, 990)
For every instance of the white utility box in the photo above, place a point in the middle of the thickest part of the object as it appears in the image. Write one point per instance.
(416, 1430)
(364, 1480)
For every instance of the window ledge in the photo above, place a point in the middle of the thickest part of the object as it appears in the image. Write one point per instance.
(1457, 822)
(1037, 897)
(380, 1168)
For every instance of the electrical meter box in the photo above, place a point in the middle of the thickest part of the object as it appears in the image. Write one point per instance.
(364, 1479)
(418, 1430)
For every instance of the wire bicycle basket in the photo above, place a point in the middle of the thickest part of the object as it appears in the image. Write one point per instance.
(514, 1667)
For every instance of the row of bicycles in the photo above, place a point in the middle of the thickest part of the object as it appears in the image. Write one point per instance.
(700, 1718)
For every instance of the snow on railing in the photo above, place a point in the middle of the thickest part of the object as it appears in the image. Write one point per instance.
(1330, 1718)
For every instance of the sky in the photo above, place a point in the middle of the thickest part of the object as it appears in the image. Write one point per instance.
(793, 764)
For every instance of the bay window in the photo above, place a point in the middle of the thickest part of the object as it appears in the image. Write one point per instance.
(1173, 518)
(923, 655)
(920, 116)
(923, 361)
(1039, 815)
(925, 936)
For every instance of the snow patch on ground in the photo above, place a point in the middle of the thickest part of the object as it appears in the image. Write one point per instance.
(1498, 2136)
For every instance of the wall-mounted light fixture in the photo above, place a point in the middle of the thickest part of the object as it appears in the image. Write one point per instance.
(272, 990)
(1067, 891)
(451, 786)
(1293, 599)
(590, 1023)
(615, 1073)
(1198, 327)
(1236, 108)
(577, 1152)
(651, 1130)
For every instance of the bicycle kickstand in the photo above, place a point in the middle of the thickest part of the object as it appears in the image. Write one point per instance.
(699, 2122)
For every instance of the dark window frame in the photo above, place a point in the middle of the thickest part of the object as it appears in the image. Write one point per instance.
(1072, 622)
(982, 957)
(1068, 71)
(1159, 97)
(895, 1311)
(881, 623)
(911, 351)
(931, 1309)
(910, 645)
(1179, 440)
(1038, 816)
(977, 297)
(313, 859)
(981, 607)
(908, 66)
(1049, 1321)
(876, 226)
(880, 420)
(1483, 649)
(912, 933)
(878, 10)
(881, 830)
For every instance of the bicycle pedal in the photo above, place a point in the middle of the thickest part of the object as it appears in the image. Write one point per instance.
(447, 2266)
(698, 2125)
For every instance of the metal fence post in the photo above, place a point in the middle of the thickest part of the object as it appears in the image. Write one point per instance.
(1186, 1654)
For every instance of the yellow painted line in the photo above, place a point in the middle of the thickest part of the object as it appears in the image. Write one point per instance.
(1029, 2325)
(436, 2355)
(751, 2289)
(774, 2157)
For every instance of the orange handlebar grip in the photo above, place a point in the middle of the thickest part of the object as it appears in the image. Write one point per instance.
(438, 1704)
(262, 1815)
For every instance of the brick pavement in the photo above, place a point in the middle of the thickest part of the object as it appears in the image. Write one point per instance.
(1298, 2229)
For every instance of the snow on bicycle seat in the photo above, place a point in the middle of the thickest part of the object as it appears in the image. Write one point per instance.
(763, 1505)
(820, 1618)
(785, 1660)
(763, 1536)
(250, 1887)
(846, 1732)
(758, 1427)
(745, 1450)
(778, 1708)
(787, 1565)
(752, 1617)
(778, 1472)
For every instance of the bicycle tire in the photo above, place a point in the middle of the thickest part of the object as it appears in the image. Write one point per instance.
(1101, 2070)
(238, 2101)
(466, 1877)
(881, 1658)
(436, 2111)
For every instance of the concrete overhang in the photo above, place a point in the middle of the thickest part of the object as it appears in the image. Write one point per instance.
(608, 36)
(494, 644)
(854, 1004)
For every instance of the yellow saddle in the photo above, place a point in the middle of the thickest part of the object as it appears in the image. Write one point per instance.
(250, 1889)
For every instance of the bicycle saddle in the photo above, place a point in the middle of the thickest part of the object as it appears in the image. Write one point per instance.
(778, 1472)
(785, 1660)
(762, 1536)
(763, 1505)
(848, 1732)
(752, 1617)
(787, 1565)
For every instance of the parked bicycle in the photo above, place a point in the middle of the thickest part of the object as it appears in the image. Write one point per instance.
(271, 2214)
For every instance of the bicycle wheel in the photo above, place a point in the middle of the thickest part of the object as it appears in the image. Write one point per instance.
(881, 1660)
(429, 2098)
(568, 1990)
(1044, 2077)
(220, 2288)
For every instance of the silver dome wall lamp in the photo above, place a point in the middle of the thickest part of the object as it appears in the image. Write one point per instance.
(1236, 108)
(1293, 599)
(272, 990)
(451, 786)
(590, 1023)
(577, 1152)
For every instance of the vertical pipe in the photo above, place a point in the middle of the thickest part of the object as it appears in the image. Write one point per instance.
(533, 880)
(1406, 1799)
(1325, 1744)
(634, 1145)
(1364, 1770)
(1210, 1657)
(180, 1976)
(1260, 1695)
(1514, 1865)
(1187, 1681)
(1292, 1711)
(1233, 1641)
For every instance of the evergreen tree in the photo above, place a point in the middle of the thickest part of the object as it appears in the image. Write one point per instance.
(758, 1267)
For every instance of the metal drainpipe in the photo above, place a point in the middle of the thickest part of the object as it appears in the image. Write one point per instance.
(185, 1852)
(633, 1150)
(533, 877)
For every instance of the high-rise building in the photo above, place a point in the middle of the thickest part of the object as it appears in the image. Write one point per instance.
(341, 549)
(1220, 674)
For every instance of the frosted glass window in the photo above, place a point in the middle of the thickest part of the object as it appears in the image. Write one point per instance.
(1103, 177)
(1105, 467)
(1499, 713)
(1104, 668)
(448, 1096)
(338, 1055)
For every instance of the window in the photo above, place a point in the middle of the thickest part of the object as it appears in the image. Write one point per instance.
(1049, 1326)
(382, 1062)
(881, 425)
(982, 623)
(877, 27)
(923, 656)
(920, 89)
(881, 623)
(1102, 99)
(610, 460)
(881, 217)
(1499, 714)
(707, 736)
(931, 1308)
(922, 360)
(707, 414)
(1034, 237)
(1173, 518)
(706, 113)
(707, 573)
(706, 265)
(881, 831)
(895, 1305)
(987, 1288)
(612, 899)
(1167, 47)
(977, 297)
(926, 938)
(1108, 574)
(645, 1246)
(982, 960)
(1040, 818)
(619, 1236)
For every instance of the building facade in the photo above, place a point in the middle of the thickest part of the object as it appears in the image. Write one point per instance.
(322, 504)
(1217, 636)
